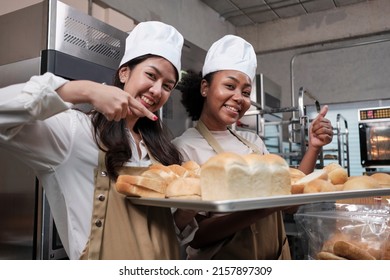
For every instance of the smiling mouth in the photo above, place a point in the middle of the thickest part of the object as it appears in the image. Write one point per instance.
(147, 100)
(231, 108)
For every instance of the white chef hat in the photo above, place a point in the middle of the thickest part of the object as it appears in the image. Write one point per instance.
(154, 37)
(231, 53)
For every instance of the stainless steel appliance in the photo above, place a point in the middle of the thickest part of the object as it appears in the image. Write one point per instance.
(49, 36)
(374, 135)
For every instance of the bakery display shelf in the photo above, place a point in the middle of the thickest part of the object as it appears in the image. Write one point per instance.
(258, 203)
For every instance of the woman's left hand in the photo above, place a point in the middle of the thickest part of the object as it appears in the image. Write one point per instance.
(321, 130)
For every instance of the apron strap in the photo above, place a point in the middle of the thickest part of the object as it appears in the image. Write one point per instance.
(250, 145)
(100, 201)
(205, 132)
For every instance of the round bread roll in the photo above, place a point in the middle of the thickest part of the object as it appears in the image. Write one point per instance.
(326, 186)
(360, 183)
(319, 185)
(298, 186)
(332, 166)
(338, 176)
(339, 187)
(383, 179)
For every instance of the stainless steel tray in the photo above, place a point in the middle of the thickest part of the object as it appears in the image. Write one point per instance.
(258, 203)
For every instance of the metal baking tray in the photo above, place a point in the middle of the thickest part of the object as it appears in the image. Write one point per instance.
(258, 203)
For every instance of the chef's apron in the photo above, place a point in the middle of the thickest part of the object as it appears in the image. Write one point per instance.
(122, 230)
(263, 240)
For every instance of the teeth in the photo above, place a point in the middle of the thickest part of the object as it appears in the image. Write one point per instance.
(231, 108)
(147, 100)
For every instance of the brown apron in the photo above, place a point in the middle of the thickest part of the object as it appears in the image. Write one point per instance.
(264, 240)
(122, 230)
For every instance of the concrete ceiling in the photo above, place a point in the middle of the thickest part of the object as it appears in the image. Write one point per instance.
(250, 12)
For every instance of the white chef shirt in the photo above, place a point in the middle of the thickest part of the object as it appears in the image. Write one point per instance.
(37, 126)
(193, 146)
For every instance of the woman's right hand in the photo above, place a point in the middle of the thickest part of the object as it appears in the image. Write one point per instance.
(114, 103)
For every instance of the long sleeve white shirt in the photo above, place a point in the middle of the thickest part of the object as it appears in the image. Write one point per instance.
(37, 126)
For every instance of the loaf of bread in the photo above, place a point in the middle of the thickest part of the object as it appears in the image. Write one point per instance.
(231, 176)
(159, 181)
(138, 186)
(184, 188)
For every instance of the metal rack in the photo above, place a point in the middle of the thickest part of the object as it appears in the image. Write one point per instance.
(297, 126)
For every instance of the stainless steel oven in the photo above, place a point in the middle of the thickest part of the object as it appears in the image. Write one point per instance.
(374, 134)
(46, 37)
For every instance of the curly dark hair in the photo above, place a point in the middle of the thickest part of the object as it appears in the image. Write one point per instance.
(191, 98)
(112, 136)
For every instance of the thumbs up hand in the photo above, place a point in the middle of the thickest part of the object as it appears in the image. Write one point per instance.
(321, 130)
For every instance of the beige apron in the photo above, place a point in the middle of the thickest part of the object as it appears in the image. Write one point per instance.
(264, 240)
(122, 230)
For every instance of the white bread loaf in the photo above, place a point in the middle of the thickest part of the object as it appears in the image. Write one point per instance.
(232, 176)
(184, 188)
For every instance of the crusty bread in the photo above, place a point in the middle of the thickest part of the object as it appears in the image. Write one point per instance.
(299, 185)
(350, 251)
(161, 167)
(178, 170)
(328, 256)
(232, 176)
(332, 166)
(160, 174)
(319, 185)
(339, 187)
(336, 173)
(191, 165)
(295, 175)
(383, 179)
(338, 176)
(361, 183)
(137, 191)
(184, 186)
(154, 184)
